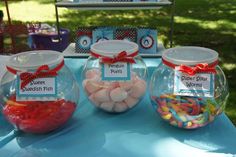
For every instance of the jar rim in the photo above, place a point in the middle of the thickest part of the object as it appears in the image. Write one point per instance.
(34, 59)
(190, 55)
(111, 48)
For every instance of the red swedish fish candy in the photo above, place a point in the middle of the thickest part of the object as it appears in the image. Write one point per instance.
(38, 116)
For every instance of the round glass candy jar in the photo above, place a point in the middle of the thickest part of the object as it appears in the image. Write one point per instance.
(38, 92)
(114, 94)
(189, 89)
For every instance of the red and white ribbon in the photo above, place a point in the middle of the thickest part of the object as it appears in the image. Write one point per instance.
(192, 70)
(121, 57)
(42, 72)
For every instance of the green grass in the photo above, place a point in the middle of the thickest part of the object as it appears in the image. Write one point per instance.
(207, 23)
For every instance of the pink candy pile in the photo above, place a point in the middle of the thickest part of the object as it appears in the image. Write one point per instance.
(116, 96)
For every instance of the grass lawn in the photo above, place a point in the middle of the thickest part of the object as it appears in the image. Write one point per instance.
(207, 23)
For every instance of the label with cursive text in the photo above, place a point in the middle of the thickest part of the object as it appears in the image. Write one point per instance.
(201, 84)
(115, 72)
(43, 89)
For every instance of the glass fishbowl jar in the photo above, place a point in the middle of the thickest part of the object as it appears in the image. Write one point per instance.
(114, 77)
(188, 89)
(38, 93)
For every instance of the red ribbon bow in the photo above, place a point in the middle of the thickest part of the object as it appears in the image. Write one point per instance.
(199, 68)
(121, 57)
(41, 72)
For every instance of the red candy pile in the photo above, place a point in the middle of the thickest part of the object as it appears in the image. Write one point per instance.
(38, 116)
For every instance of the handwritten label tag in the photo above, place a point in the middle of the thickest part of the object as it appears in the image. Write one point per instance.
(201, 85)
(43, 89)
(117, 71)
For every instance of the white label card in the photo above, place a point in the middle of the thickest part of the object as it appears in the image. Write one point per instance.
(116, 71)
(43, 89)
(201, 85)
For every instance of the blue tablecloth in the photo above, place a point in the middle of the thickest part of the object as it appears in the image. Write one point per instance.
(139, 132)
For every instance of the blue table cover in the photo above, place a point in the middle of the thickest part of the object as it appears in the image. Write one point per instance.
(140, 132)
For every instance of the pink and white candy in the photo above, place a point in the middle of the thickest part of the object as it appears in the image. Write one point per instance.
(116, 96)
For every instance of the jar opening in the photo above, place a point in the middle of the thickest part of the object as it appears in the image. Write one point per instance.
(111, 48)
(31, 60)
(190, 55)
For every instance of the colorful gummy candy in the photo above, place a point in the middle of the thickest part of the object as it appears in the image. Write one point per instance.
(116, 96)
(38, 116)
(186, 112)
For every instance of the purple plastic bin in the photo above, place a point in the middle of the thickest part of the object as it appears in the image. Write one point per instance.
(50, 42)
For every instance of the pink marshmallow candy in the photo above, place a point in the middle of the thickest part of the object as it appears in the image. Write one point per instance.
(107, 106)
(94, 101)
(91, 86)
(131, 102)
(118, 95)
(138, 89)
(92, 74)
(102, 95)
(126, 85)
(111, 85)
(120, 107)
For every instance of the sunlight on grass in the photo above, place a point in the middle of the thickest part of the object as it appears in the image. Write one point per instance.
(229, 66)
(207, 24)
(232, 12)
(123, 16)
(31, 11)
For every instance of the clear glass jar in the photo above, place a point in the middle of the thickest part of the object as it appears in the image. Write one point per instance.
(38, 92)
(114, 95)
(189, 89)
